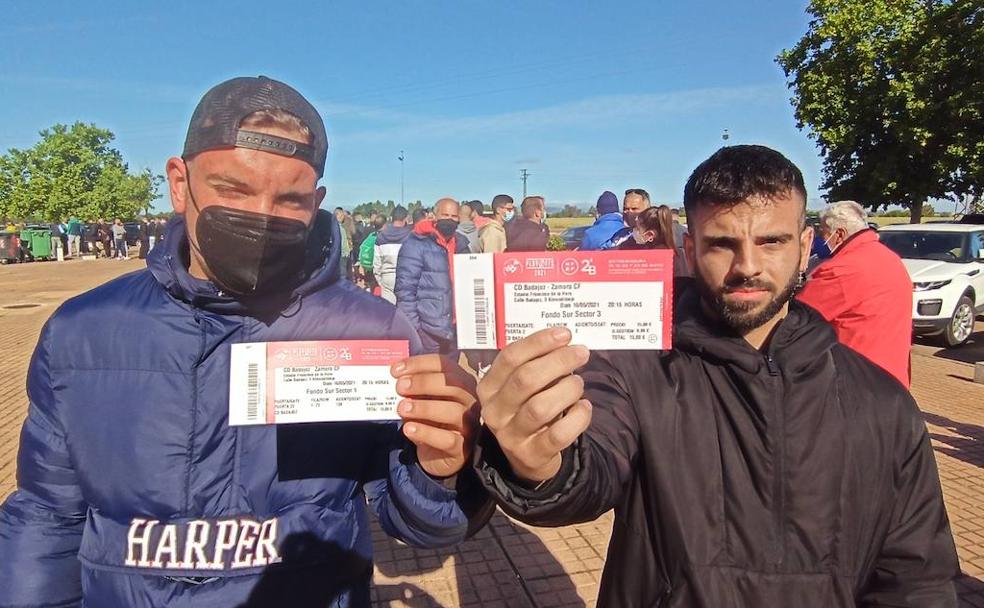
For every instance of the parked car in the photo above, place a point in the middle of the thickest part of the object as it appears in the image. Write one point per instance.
(573, 236)
(132, 233)
(946, 264)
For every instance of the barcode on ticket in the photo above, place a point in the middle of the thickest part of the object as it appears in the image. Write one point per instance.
(253, 392)
(247, 384)
(474, 281)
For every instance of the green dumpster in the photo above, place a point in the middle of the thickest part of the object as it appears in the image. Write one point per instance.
(37, 241)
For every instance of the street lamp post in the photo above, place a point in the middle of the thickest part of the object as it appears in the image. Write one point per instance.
(401, 157)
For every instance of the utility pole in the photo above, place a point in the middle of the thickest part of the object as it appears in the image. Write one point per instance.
(525, 175)
(401, 157)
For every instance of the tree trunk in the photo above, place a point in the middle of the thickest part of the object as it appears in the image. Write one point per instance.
(915, 213)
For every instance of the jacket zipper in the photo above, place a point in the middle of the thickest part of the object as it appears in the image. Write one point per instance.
(194, 411)
(237, 496)
(779, 503)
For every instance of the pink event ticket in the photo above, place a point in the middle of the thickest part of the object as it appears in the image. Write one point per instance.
(318, 381)
(610, 300)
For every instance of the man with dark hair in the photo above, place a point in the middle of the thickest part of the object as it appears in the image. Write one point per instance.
(467, 229)
(157, 500)
(387, 253)
(608, 224)
(419, 215)
(529, 232)
(758, 463)
(493, 236)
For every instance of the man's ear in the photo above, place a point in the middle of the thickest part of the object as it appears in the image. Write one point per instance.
(177, 182)
(806, 246)
(319, 196)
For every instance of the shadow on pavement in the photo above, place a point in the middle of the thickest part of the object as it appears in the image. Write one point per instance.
(504, 564)
(971, 352)
(968, 445)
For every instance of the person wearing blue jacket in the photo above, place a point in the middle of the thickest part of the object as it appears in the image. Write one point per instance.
(608, 223)
(424, 280)
(154, 500)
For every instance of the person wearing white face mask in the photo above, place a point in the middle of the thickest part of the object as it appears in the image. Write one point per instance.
(493, 236)
(863, 290)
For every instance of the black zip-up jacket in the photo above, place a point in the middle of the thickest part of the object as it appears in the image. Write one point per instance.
(797, 477)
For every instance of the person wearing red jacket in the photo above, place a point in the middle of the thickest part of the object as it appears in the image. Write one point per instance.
(863, 290)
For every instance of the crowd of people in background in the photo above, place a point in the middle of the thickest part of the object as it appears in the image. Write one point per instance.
(408, 259)
(72, 238)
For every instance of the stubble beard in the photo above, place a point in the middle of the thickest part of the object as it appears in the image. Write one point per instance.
(743, 317)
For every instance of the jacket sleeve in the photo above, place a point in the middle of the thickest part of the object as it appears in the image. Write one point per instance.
(595, 470)
(41, 523)
(410, 504)
(418, 509)
(917, 561)
(377, 259)
(409, 266)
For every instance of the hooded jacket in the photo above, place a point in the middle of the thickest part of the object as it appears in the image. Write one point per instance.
(603, 229)
(800, 476)
(424, 281)
(155, 500)
(387, 251)
(468, 231)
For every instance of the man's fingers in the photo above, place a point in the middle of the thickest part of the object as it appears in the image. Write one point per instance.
(534, 376)
(434, 385)
(419, 364)
(447, 414)
(545, 407)
(519, 352)
(442, 440)
(432, 364)
(564, 431)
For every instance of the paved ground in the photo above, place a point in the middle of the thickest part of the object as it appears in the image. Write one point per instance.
(509, 564)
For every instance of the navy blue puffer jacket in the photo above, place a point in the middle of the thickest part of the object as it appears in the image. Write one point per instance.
(133, 491)
(423, 283)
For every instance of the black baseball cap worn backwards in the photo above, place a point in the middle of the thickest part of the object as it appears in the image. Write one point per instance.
(215, 123)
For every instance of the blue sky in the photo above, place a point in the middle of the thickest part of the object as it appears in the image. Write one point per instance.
(586, 96)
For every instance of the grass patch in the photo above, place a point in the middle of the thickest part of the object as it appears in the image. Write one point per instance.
(559, 224)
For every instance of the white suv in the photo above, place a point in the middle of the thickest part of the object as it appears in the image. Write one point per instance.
(946, 263)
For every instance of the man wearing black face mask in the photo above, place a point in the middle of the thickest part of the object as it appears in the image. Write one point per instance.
(424, 279)
(158, 501)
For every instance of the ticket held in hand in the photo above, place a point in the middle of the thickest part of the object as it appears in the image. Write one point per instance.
(609, 300)
(314, 381)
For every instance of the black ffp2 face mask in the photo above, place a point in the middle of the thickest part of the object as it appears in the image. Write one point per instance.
(249, 253)
(446, 227)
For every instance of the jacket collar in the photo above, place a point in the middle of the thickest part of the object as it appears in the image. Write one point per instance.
(857, 239)
(795, 344)
(168, 262)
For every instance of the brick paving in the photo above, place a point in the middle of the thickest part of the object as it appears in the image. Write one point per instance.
(509, 564)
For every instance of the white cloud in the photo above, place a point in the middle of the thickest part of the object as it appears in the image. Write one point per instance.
(603, 111)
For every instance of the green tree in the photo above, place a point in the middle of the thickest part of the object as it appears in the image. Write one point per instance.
(73, 171)
(893, 93)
